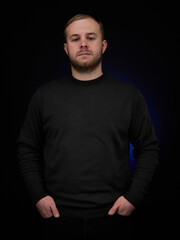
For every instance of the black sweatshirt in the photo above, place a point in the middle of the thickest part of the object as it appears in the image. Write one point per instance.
(74, 145)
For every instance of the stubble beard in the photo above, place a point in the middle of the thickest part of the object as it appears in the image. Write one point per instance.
(86, 67)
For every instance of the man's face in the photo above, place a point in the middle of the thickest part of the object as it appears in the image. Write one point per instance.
(84, 44)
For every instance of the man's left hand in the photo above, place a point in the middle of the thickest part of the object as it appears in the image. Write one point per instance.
(122, 206)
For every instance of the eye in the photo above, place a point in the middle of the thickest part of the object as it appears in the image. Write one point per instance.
(75, 39)
(91, 38)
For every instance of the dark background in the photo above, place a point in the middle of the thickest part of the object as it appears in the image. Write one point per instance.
(142, 49)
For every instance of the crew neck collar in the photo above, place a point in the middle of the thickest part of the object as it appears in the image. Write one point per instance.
(88, 82)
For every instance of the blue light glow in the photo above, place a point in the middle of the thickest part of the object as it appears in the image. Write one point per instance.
(132, 160)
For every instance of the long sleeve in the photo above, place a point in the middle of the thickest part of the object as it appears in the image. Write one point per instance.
(30, 146)
(143, 138)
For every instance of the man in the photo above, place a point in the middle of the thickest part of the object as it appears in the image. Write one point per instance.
(83, 125)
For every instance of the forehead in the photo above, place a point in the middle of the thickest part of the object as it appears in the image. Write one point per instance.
(83, 26)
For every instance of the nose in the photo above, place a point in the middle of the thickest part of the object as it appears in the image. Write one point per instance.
(83, 44)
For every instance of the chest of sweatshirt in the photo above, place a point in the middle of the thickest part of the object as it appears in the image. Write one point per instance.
(95, 118)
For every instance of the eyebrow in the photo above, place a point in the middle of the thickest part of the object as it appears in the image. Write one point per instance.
(77, 35)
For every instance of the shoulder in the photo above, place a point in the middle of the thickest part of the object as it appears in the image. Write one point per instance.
(53, 84)
(121, 86)
(53, 87)
(49, 90)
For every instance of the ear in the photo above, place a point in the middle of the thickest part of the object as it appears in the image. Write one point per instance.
(104, 46)
(66, 48)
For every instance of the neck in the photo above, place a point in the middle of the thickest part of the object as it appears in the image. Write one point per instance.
(87, 75)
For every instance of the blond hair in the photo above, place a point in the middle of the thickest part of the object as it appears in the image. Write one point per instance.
(83, 16)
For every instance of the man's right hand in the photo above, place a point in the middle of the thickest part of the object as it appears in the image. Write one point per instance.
(47, 207)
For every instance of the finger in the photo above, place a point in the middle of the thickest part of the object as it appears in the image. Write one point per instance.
(45, 211)
(120, 212)
(55, 211)
(113, 210)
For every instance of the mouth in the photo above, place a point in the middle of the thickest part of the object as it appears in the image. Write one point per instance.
(84, 54)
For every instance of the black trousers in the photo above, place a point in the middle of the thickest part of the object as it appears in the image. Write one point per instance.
(108, 227)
